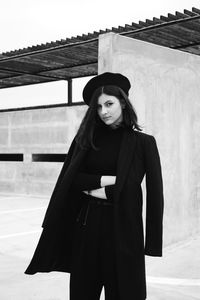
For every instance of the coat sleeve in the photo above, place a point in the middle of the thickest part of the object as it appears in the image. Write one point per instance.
(154, 199)
(60, 177)
(109, 190)
(84, 181)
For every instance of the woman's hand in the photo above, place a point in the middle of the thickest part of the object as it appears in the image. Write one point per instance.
(98, 193)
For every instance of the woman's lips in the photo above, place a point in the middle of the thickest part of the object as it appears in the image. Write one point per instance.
(106, 118)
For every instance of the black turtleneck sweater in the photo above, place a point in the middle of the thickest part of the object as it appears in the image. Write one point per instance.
(100, 162)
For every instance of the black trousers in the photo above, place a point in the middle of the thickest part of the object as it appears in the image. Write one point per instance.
(93, 261)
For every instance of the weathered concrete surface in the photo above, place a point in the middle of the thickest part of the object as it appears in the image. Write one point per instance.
(176, 276)
(165, 92)
(33, 131)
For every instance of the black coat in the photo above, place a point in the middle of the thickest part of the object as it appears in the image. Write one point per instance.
(138, 156)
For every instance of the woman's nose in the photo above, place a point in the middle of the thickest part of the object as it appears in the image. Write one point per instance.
(104, 110)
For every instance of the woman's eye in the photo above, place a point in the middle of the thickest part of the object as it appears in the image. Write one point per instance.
(109, 104)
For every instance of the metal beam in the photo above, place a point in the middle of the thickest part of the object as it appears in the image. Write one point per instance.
(187, 45)
(71, 66)
(164, 24)
(20, 73)
(69, 92)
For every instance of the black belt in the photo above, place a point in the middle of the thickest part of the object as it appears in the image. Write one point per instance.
(95, 200)
(100, 201)
(92, 200)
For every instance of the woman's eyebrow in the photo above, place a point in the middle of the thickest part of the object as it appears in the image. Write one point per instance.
(105, 102)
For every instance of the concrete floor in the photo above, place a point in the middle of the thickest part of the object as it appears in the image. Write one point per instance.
(175, 276)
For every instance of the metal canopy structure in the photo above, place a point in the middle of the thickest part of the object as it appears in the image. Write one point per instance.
(78, 56)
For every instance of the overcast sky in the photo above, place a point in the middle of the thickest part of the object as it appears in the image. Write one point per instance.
(30, 22)
(25, 23)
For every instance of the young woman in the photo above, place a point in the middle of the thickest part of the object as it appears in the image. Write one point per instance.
(93, 226)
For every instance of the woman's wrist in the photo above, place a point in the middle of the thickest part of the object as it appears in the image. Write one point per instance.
(107, 180)
(102, 181)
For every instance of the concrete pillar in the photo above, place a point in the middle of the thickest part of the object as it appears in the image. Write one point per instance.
(165, 93)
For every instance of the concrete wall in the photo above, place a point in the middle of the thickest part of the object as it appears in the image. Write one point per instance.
(48, 130)
(166, 94)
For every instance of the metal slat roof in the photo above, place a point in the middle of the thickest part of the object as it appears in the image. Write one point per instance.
(78, 56)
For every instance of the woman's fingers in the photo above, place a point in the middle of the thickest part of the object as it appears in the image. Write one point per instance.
(98, 193)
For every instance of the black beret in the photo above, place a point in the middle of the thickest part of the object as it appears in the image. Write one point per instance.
(103, 79)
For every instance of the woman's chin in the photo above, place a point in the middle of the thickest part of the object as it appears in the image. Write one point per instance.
(108, 122)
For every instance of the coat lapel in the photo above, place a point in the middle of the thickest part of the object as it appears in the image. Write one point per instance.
(77, 159)
(126, 153)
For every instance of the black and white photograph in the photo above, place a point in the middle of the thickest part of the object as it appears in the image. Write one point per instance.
(99, 150)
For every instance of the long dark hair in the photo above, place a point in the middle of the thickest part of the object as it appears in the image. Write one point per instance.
(91, 120)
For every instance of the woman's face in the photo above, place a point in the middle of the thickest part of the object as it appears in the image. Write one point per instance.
(109, 109)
